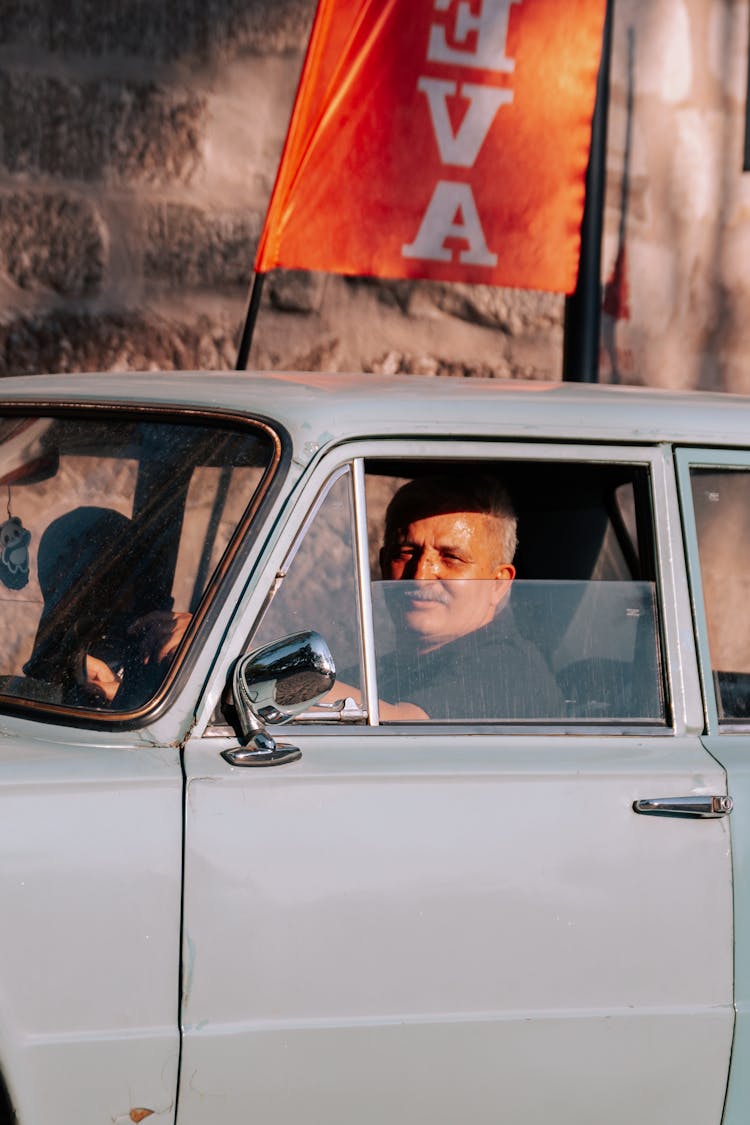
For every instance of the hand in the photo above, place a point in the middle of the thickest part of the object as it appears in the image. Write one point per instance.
(159, 633)
(99, 677)
(401, 710)
(388, 711)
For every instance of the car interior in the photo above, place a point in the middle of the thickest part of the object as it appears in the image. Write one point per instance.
(585, 587)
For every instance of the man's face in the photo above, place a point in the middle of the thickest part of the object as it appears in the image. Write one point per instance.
(446, 554)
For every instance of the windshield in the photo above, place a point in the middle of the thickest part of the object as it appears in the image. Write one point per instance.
(114, 530)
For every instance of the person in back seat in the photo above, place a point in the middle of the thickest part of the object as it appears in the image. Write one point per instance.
(100, 638)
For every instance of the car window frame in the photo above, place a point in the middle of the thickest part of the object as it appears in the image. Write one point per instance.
(680, 676)
(686, 459)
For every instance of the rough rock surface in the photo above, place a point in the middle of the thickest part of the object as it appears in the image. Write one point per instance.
(139, 142)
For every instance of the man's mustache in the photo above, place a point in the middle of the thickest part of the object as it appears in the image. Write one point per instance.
(425, 592)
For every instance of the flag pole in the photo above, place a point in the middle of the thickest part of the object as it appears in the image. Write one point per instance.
(583, 306)
(250, 319)
(321, 21)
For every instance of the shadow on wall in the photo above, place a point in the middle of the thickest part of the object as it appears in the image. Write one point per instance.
(718, 309)
(109, 240)
(686, 291)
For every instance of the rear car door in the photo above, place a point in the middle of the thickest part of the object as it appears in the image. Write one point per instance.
(715, 496)
(436, 920)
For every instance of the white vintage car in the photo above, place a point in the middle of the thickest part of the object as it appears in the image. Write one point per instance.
(240, 883)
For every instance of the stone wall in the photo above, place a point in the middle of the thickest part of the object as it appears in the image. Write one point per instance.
(139, 141)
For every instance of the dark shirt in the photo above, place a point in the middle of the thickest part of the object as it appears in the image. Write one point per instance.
(492, 673)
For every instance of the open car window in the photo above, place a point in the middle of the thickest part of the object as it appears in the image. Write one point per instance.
(115, 528)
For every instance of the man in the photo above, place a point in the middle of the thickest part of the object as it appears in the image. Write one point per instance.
(451, 540)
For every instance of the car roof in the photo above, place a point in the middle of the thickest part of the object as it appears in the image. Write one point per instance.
(321, 409)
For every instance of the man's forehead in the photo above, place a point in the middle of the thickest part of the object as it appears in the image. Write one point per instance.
(446, 523)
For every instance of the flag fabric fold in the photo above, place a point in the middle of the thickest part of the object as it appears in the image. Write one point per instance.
(443, 139)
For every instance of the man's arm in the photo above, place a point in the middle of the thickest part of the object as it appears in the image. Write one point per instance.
(388, 711)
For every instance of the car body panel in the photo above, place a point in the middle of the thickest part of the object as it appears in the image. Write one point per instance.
(320, 409)
(730, 746)
(474, 907)
(733, 752)
(90, 883)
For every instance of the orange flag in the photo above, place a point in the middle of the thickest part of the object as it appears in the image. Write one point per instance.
(443, 139)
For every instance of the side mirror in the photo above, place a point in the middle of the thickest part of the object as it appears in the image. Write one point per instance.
(273, 684)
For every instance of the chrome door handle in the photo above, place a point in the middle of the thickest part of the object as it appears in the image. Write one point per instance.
(702, 808)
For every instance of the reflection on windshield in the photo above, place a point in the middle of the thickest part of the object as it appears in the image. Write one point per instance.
(115, 527)
(541, 650)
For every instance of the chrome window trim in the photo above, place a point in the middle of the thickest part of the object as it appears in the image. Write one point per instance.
(460, 728)
(367, 628)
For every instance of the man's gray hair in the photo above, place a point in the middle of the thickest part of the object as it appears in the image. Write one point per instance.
(459, 492)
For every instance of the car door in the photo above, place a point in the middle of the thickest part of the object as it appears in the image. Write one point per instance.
(435, 921)
(715, 496)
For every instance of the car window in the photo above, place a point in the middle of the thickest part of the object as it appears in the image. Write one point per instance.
(114, 528)
(574, 638)
(571, 635)
(721, 500)
(555, 651)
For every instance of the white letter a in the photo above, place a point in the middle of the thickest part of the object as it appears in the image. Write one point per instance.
(452, 213)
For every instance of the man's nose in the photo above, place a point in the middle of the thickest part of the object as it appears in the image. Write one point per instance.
(425, 567)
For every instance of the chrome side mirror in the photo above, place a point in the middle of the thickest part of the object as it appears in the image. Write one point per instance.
(272, 685)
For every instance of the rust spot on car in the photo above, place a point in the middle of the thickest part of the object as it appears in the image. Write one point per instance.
(140, 1114)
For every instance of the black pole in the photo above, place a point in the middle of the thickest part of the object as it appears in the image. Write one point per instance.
(250, 319)
(583, 307)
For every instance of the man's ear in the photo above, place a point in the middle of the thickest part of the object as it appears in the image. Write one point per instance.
(505, 574)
